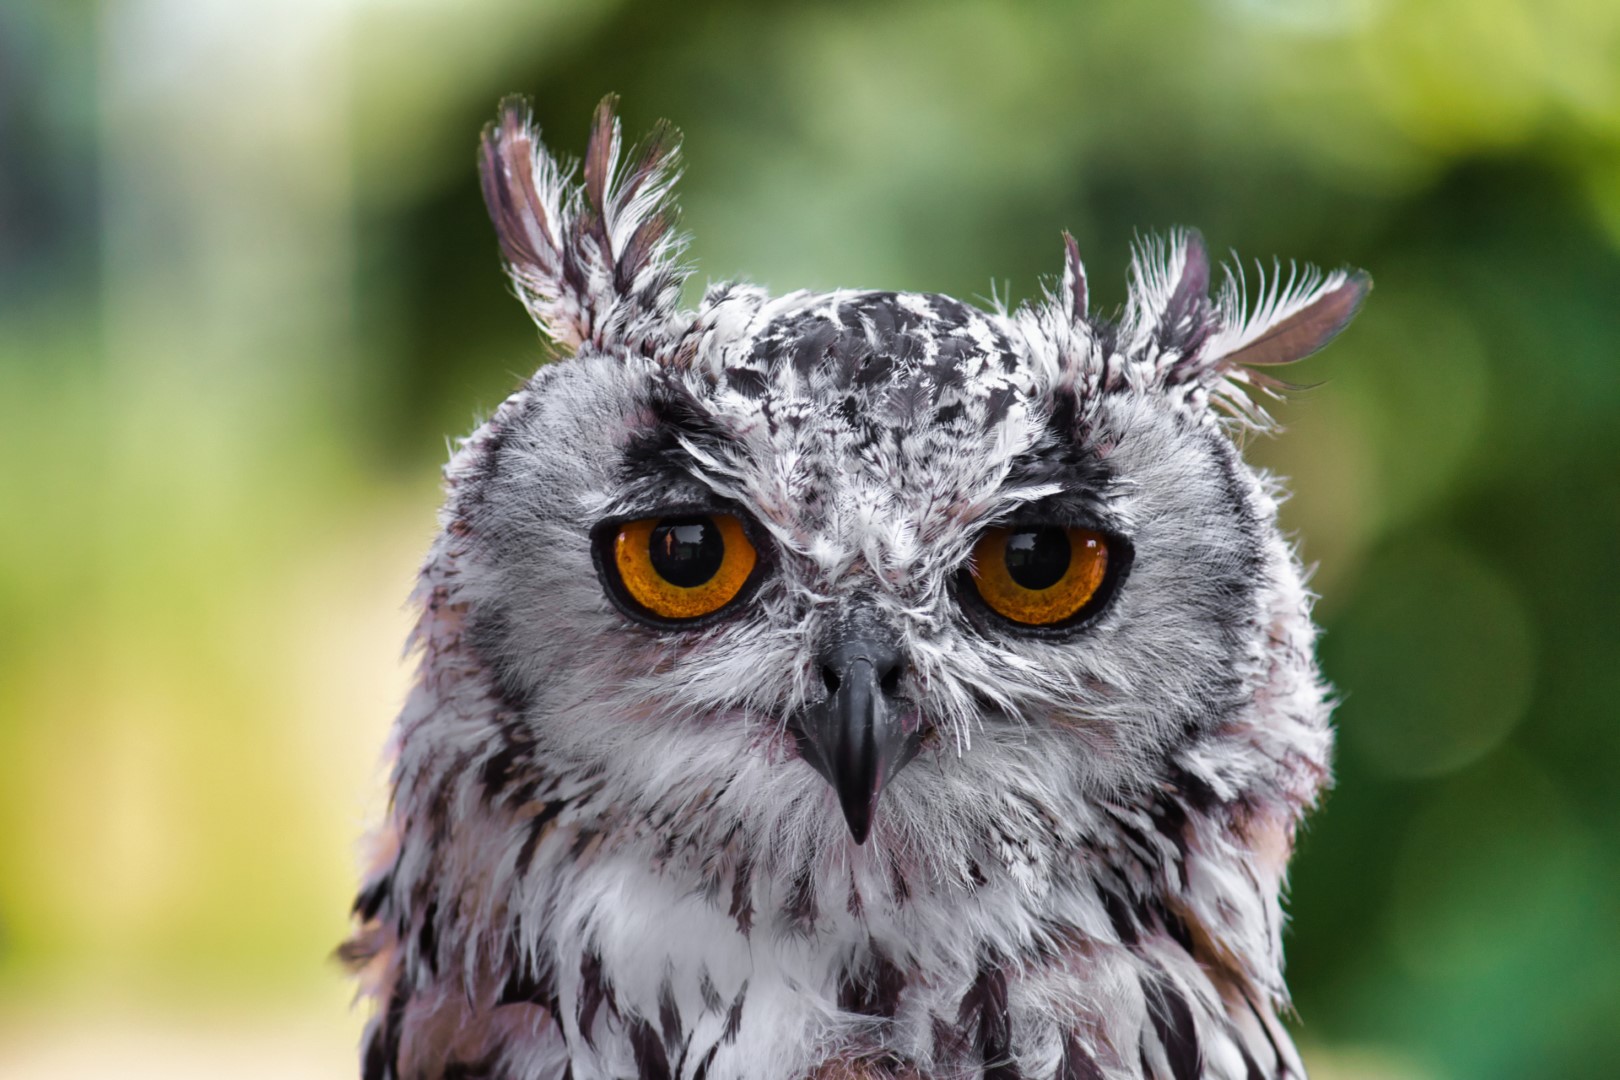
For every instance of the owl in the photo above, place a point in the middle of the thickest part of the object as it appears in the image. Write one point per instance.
(849, 685)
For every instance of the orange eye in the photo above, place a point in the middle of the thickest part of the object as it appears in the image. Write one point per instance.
(1039, 575)
(682, 568)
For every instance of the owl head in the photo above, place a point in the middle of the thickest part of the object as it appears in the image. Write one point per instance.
(873, 580)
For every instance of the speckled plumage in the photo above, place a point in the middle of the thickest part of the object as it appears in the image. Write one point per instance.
(605, 857)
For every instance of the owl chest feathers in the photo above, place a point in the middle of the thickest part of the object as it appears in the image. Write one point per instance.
(857, 967)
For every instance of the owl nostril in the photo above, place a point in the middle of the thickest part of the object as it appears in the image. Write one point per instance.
(874, 663)
(890, 682)
(888, 679)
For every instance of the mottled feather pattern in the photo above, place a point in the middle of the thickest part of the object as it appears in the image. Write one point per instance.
(605, 855)
(591, 262)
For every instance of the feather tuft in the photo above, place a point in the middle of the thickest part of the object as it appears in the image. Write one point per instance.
(595, 263)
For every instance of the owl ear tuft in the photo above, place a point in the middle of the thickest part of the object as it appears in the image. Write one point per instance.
(1072, 292)
(1217, 344)
(1294, 316)
(1292, 319)
(596, 263)
(1169, 307)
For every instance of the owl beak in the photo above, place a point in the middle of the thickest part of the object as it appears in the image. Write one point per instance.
(855, 739)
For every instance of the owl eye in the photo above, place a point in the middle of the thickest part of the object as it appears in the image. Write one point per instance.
(677, 569)
(1041, 575)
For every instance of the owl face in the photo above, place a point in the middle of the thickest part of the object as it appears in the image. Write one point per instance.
(871, 564)
(861, 570)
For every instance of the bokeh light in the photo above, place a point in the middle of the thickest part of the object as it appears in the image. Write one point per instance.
(1415, 710)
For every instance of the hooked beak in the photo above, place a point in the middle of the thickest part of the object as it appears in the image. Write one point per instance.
(854, 738)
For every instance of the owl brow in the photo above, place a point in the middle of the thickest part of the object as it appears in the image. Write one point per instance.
(1086, 509)
(655, 497)
(1077, 486)
(660, 452)
(655, 465)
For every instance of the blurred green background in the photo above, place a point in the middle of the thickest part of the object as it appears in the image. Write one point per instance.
(247, 290)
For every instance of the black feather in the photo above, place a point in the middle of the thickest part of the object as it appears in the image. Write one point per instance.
(1077, 1062)
(734, 1014)
(651, 1061)
(594, 990)
(873, 988)
(669, 1014)
(1173, 1024)
(984, 1011)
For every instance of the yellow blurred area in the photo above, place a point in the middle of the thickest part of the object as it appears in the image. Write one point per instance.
(316, 1043)
(246, 293)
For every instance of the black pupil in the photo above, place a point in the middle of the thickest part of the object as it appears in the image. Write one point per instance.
(687, 552)
(1038, 558)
